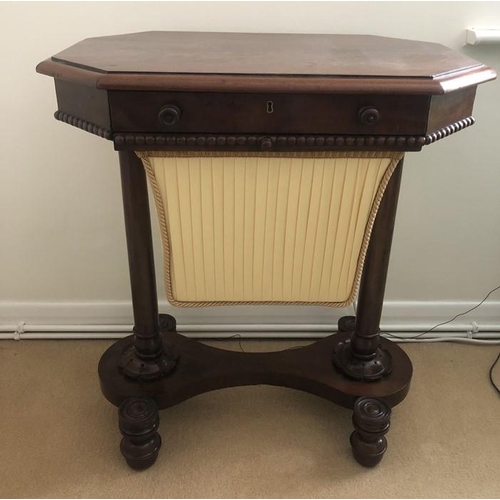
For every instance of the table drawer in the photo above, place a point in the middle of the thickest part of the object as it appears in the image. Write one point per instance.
(165, 112)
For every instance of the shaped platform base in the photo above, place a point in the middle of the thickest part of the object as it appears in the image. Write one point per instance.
(201, 368)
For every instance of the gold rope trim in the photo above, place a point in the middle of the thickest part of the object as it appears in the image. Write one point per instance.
(395, 157)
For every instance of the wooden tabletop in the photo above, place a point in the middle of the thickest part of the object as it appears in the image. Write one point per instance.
(255, 61)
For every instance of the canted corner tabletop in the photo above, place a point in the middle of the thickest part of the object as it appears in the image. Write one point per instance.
(275, 162)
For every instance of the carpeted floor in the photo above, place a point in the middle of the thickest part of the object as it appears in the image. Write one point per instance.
(59, 436)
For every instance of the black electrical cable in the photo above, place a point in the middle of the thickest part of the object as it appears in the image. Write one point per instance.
(445, 322)
(495, 386)
(453, 319)
(235, 336)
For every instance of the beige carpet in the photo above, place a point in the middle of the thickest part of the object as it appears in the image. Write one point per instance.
(59, 436)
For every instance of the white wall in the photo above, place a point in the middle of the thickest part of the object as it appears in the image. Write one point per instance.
(62, 236)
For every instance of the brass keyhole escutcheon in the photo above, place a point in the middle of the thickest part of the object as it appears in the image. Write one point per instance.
(269, 107)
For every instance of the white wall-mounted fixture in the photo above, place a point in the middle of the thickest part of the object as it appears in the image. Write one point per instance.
(476, 36)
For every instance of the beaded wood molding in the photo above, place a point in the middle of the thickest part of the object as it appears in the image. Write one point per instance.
(83, 124)
(450, 129)
(265, 143)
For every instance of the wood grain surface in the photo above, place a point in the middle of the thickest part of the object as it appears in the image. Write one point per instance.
(241, 62)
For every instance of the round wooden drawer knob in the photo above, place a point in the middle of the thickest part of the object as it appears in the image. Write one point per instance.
(369, 116)
(169, 115)
(266, 143)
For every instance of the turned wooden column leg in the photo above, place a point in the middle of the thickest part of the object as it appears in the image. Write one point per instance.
(361, 357)
(371, 419)
(139, 421)
(146, 358)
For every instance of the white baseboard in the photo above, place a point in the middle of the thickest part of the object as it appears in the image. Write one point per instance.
(116, 317)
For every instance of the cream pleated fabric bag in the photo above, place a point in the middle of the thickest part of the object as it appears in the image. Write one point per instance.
(266, 228)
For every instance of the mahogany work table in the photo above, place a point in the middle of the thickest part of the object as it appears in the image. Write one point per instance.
(275, 162)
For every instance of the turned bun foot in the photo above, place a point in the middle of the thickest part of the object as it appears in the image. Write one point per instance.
(371, 421)
(139, 420)
(167, 323)
(346, 324)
